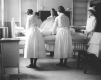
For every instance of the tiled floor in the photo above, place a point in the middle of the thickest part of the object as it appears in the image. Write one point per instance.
(49, 71)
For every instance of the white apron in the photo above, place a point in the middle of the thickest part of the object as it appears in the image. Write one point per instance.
(63, 42)
(35, 45)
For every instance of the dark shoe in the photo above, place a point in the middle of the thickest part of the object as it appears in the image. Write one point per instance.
(60, 64)
(65, 65)
(30, 66)
(51, 53)
(34, 66)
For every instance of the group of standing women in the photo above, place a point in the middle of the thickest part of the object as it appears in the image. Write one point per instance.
(35, 43)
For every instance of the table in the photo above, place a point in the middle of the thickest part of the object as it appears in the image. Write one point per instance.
(9, 54)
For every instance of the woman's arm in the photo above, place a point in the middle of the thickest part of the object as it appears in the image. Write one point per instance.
(40, 22)
(94, 24)
(27, 24)
(55, 26)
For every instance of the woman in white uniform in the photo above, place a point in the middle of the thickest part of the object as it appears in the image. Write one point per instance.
(47, 24)
(94, 45)
(34, 46)
(91, 22)
(46, 27)
(63, 42)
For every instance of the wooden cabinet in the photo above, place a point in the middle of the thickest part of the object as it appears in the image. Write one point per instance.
(9, 53)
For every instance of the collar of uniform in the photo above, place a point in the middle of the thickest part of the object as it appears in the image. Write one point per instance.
(61, 14)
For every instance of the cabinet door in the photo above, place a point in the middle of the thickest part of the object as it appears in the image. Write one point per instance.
(10, 54)
(80, 12)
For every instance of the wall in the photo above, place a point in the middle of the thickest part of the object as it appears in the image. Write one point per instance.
(48, 4)
(0, 13)
(11, 10)
(98, 17)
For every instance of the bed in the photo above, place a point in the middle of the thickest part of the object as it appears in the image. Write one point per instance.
(75, 34)
(19, 32)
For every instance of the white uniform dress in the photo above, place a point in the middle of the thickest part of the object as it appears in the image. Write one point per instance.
(35, 45)
(63, 42)
(91, 24)
(46, 25)
(46, 28)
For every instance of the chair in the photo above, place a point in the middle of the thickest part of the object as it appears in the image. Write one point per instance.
(89, 59)
(93, 59)
(80, 46)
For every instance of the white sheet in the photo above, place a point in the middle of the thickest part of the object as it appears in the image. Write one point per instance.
(15, 30)
(51, 39)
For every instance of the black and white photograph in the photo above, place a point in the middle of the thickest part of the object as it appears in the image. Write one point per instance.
(50, 39)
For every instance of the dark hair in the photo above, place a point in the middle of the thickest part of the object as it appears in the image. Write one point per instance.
(53, 9)
(93, 12)
(54, 12)
(29, 11)
(36, 13)
(61, 9)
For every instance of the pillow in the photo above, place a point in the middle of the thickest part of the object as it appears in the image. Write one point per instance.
(18, 34)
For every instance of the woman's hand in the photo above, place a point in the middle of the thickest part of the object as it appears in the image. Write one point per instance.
(53, 32)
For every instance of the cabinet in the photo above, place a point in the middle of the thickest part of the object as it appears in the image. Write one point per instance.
(9, 53)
